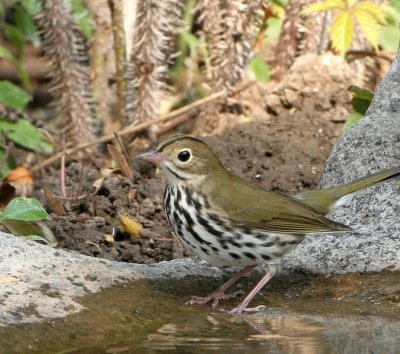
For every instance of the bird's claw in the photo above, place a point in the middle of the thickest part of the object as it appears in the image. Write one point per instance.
(238, 309)
(215, 296)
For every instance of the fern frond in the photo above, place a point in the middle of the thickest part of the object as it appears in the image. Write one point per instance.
(65, 50)
(228, 28)
(155, 25)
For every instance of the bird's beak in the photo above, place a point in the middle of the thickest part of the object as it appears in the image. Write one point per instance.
(153, 157)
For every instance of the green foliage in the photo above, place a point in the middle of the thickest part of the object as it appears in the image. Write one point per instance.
(25, 135)
(274, 26)
(6, 164)
(367, 14)
(22, 217)
(360, 103)
(12, 96)
(82, 18)
(260, 69)
(7, 55)
(22, 22)
(21, 132)
(389, 35)
(188, 42)
(24, 209)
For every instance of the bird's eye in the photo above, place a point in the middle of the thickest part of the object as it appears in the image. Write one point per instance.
(184, 156)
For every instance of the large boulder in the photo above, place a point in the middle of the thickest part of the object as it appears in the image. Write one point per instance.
(370, 146)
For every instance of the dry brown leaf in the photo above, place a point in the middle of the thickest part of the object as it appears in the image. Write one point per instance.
(56, 205)
(108, 239)
(104, 172)
(21, 179)
(130, 226)
(132, 195)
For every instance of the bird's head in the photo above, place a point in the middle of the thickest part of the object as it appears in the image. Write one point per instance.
(183, 158)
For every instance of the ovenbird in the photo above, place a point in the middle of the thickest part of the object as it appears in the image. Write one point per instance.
(229, 221)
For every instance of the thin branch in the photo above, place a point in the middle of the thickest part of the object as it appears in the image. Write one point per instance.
(145, 125)
(370, 53)
(62, 177)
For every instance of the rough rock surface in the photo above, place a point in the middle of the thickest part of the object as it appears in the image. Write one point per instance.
(39, 282)
(370, 146)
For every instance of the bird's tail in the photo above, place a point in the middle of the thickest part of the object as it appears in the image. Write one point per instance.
(326, 200)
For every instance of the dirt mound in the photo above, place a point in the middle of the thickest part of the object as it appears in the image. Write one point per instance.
(280, 140)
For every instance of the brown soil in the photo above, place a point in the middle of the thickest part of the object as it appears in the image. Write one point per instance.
(279, 140)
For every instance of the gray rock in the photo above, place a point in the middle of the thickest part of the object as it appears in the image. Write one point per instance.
(370, 146)
(39, 282)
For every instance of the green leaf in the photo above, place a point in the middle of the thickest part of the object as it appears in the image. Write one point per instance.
(26, 135)
(15, 36)
(24, 209)
(6, 54)
(373, 9)
(389, 34)
(342, 32)
(395, 4)
(361, 100)
(12, 96)
(82, 18)
(274, 26)
(31, 228)
(361, 92)
(33, 7)
(260, 69)
(190, 40)
(25, 23)
(5, 166)
(352, 119)
(389, 38)
(37, 238)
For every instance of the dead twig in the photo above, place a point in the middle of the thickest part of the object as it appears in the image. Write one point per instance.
(62, 177)
(127, 166)
(370, 53)
(145, 125)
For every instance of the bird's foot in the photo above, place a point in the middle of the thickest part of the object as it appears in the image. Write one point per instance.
(239, 309)
(215, 296)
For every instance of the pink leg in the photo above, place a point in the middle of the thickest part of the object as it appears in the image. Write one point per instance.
(219, 293)
(243, 305)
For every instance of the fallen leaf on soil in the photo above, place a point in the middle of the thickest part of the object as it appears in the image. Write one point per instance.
(108, 239)
(104, 172)
(6, 280)
(7, 192)
(56, 205)
(132, 195)
(130, 226)
(21, 179)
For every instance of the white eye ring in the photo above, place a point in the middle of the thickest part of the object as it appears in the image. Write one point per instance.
(184, 155)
